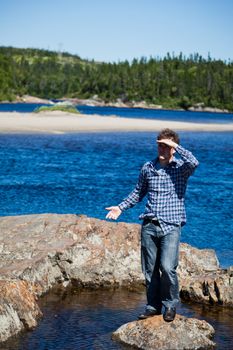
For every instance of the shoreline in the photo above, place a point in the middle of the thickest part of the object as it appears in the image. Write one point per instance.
(92, 102)
(62, 122)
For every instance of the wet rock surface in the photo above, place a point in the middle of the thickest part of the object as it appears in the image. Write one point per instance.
(154, 333)
(38, 252)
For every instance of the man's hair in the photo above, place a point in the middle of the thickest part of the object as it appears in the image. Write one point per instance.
(168, 134)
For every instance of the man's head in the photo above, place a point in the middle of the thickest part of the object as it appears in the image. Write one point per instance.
(168, 134)
(165, 149)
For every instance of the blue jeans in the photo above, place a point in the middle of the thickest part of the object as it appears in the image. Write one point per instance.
(159, 256)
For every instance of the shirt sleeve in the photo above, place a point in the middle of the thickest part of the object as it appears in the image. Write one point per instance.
(137, 194)
(190, 162)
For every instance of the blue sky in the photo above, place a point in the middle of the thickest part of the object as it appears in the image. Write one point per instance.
(115, 30)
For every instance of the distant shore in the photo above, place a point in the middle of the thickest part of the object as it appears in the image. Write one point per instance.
(97, 102)
(62, 122)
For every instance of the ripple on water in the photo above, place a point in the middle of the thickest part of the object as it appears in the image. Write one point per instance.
(86, 319)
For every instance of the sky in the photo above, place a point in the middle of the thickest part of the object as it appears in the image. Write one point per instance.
(119, 30)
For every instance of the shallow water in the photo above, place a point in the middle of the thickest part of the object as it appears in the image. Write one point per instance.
(86, 319)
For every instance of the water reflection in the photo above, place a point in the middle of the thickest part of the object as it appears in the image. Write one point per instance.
(85, 319)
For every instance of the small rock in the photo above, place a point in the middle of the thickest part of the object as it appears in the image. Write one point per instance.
(153, 333)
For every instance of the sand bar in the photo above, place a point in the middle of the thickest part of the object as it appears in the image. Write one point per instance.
(60, 122)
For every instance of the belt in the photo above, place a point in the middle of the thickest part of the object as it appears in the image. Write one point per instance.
(153, 221)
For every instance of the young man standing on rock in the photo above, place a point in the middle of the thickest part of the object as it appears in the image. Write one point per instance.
(164, 181)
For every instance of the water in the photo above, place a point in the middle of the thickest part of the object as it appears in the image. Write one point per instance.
(194, 117)
(85, 320)
(84, 173)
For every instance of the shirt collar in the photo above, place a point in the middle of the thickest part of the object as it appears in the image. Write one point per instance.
(171, 164)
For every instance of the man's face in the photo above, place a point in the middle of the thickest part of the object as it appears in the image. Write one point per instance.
(165, 152)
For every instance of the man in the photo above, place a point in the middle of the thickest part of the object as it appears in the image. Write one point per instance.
(164, 181)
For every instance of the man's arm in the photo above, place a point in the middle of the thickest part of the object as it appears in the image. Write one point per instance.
(190, 162)
(133, 198)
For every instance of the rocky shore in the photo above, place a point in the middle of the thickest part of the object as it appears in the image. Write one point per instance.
(95, 101)
(39, 252)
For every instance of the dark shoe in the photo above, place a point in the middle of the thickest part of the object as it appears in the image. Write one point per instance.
(169, 314)
(149, 313)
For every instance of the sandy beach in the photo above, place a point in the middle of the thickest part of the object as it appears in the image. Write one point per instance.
(60, 122)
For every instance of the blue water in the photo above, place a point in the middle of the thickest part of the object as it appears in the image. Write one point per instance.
(84, 173)
(194, 117)
(186, 116)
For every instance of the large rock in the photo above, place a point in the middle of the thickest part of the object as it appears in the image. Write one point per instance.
(201, 280)
(154, 333)
(209, 288)
(18, 308)
(45, 250)
(39, 251)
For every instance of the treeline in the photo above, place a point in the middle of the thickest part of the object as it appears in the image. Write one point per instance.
(172, 81)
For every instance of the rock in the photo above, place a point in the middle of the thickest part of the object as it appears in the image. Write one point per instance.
(196, 261)
(65, 103)
(200, 108)
(201, 279)
(38, 252)
(47, 249)
(94, 101)
(145, 105)
(154, 333)
(32, 99)
(18, 308)
(213, 288)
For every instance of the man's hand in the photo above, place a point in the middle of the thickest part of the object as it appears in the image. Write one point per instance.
(168, 142)
(113, 213)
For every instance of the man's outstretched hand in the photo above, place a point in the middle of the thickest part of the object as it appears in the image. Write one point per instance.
(114, 213)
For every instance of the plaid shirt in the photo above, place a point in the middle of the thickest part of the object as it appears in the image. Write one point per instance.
(165, 189)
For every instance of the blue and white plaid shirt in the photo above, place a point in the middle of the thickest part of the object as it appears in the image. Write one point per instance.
(165, 189)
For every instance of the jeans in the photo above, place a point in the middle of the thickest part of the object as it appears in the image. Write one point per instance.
(159, 257)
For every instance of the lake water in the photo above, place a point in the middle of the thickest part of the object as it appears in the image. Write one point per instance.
(194, 117)
(84, 173)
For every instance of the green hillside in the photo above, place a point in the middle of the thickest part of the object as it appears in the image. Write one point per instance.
(171, 81)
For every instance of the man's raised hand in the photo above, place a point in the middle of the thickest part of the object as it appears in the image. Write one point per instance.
(168, 142)
(114, 213)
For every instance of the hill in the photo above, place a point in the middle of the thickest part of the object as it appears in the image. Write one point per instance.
(172, 81)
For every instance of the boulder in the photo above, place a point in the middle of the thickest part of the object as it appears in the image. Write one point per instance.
(214, 288)
(202, 280)
(38, 252)
(49, 248)
(154, 333)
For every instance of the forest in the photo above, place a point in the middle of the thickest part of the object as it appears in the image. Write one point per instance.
(171, 81)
